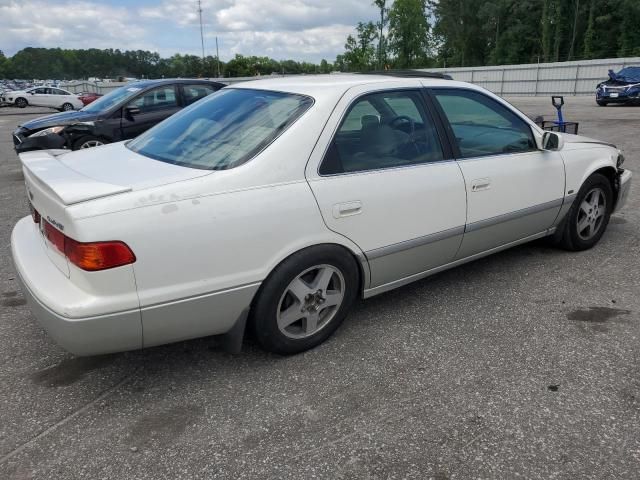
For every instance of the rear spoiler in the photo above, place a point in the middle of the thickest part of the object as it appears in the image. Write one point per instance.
(69, 186)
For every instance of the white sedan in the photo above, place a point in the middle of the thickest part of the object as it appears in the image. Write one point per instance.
(273, 204)
(44, 97)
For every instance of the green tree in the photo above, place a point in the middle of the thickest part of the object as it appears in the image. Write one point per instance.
(409, 32)
(629, 40)
(4, 65)
(360, 51)
(460, 32)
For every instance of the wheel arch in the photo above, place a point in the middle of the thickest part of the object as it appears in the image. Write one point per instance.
(582, 162)
(359, 258)
(611, 174)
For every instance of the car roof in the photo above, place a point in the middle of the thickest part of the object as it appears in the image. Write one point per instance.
(318, 86)
(150, 83)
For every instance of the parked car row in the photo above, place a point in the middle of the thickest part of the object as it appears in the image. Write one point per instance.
(273, 204)
(121, 114)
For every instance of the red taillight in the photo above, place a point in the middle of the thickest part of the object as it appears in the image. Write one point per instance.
(94, 256)
(34, 214)
(90, 256)
(55, 236)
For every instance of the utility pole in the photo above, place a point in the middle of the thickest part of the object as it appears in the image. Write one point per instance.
(381, 4)
(201, 30)
(217, 57)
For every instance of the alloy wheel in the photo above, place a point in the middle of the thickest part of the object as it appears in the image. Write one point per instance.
(310, 301)
(591, 213)
(91, 144)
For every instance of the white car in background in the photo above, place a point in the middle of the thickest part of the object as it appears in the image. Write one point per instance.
(43, 97)
(275, 203)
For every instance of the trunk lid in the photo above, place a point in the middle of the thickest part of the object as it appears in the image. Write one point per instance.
(75, 177)
(57, 179)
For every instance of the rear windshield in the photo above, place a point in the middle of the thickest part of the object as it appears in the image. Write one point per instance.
(112, 98)
(223, 130)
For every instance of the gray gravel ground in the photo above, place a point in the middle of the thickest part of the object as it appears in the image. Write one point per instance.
(525, 364)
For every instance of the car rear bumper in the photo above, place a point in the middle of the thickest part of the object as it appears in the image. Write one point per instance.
(90, 335)
(49, 294)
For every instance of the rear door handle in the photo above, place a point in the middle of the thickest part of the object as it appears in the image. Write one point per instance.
(480, 184)
(347, 209)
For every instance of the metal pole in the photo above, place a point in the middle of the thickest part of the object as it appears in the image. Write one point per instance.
(217, 57)
(575, 83)
(201, 30)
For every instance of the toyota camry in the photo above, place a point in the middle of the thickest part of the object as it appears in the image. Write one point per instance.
(273, 204)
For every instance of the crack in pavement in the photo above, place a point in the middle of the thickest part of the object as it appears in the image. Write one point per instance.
(68, 418)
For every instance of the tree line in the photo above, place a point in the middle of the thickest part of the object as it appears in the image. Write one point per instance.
(460, 33)
(408, 34)
(60, 64)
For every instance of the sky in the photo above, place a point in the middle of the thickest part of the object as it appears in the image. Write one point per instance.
(307, 30)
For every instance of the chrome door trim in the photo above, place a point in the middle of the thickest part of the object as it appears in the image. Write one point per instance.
(416, 242)
(418, 276)
(488, 222)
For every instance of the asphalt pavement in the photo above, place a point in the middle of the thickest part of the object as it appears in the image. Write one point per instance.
(525, 364)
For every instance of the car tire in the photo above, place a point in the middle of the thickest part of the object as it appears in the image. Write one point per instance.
(305, 299)
(21, 102)
(88, 141)
(601, 103)
(66, 107)
(588, 217)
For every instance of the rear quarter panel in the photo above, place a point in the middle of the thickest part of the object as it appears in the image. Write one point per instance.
(200, 245)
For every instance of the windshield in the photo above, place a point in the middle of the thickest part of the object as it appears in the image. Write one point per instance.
(223, 130)
(112, 98)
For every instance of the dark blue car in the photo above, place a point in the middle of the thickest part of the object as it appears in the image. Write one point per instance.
(622, 87)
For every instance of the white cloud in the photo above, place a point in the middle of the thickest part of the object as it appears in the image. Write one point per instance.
(298, 29)
(67, 25)
(313, 43)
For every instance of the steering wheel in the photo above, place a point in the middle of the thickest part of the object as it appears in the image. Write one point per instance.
(412, 127)
(404, 118)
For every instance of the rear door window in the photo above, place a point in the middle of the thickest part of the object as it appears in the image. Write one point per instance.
(193, 93)
(383, 130)
(160, 98)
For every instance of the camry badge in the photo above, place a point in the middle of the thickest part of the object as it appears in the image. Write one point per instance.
(56, 224)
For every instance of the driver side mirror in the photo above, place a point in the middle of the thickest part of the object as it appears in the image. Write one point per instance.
(131, 111)
(552, 141)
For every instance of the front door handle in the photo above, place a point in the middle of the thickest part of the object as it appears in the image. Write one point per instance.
(347, 209)
(480, 184)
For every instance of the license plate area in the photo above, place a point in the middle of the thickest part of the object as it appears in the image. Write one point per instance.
(53, 252)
